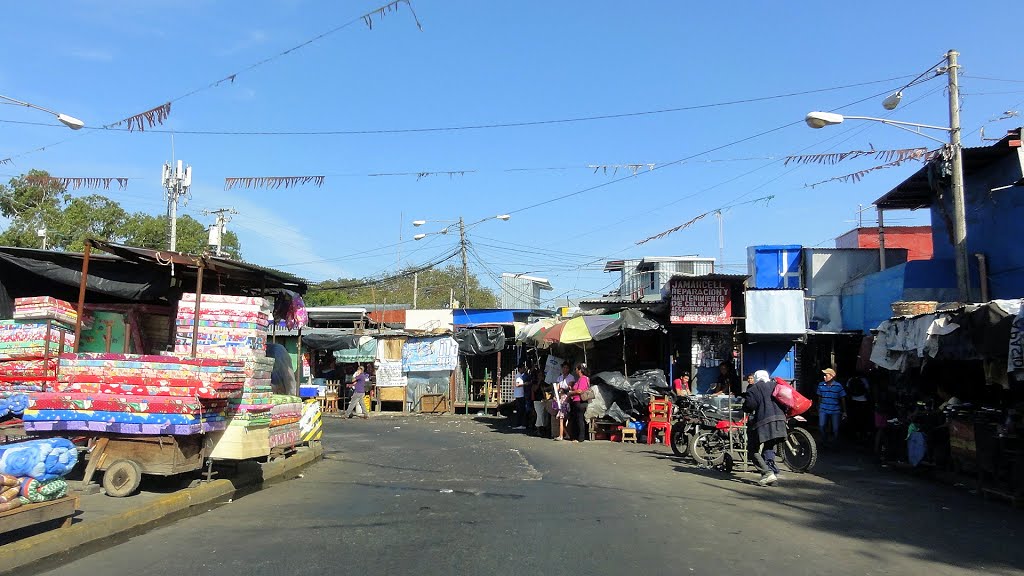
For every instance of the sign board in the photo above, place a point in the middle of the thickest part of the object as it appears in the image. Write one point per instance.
(430, 354)
(700, 302)
(389, 373)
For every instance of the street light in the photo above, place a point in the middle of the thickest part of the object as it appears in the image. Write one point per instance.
(419, 237)
(69, 121)
(822, 119)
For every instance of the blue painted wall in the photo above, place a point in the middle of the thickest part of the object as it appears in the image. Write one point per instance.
(768, 266)
(993, 225)
(775, 357)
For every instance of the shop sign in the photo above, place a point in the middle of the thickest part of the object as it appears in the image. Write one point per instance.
(389, 373)
(700, 302)
(430, 354)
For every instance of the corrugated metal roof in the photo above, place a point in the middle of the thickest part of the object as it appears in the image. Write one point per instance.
(916, 192)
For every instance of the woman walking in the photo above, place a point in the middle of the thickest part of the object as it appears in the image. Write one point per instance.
(766, 428)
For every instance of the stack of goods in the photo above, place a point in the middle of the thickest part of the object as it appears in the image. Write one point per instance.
(229, 326)
(33, 471)
(21, 340)
(137, 394)
(234, 327)
(45, 308)
(249, 415)
(284, 420)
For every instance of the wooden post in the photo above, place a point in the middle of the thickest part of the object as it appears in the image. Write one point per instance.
(497, 376)
(298, 359)
(81, 292)
(199, 298)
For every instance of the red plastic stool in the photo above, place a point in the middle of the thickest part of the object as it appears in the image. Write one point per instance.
(665, 427)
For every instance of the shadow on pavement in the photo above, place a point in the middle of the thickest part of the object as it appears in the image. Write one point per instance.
(848, 495)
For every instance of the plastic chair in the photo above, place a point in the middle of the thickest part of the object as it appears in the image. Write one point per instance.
(659, 418)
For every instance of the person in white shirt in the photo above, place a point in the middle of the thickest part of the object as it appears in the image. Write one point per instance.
(519, 396)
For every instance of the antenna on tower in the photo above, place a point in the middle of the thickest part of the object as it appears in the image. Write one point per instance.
(176, 179)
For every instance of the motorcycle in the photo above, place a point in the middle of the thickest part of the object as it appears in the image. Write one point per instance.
(690, 417)
(726, 444)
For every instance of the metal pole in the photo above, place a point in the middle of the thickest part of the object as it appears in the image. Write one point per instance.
(465, 264)
(468, 388)
(415, 288)
(881, 240)
(199, 298)
(487, 388)
(983, 275)
(959, 213)
(625, 370)
(172, 215)
(81, 293)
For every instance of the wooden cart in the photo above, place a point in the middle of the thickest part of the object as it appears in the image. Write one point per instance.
(124, 459)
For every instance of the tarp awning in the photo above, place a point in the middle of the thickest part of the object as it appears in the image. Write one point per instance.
(364, 351)
(480, 341)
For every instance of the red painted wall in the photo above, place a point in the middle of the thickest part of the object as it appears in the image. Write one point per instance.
(916, 239)
(388, 316)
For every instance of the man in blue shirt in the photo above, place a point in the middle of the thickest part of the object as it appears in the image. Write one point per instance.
(831, 405)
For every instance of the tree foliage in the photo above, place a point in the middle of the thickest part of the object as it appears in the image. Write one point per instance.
(34, 201)
(434, 290)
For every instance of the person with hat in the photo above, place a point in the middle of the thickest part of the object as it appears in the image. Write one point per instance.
(831, 405)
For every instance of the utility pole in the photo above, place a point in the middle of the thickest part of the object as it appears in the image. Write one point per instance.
(176, 181)
(217, 229)
(465, 263)
(963, 282)
(415, 288)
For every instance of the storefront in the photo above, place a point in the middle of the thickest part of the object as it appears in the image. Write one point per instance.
(705, 316)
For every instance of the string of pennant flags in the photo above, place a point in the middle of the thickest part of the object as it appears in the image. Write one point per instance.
(157, 115)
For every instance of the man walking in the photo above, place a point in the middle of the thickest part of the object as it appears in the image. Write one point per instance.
(831, 406)
(358, 386)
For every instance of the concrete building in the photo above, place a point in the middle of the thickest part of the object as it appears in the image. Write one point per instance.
(647, 277)
(519, 291)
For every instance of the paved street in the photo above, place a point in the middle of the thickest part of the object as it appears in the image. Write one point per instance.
(426, 495)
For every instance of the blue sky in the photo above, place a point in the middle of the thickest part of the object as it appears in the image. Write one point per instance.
(476, 63)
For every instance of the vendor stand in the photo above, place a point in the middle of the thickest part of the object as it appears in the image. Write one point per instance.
(164, 445)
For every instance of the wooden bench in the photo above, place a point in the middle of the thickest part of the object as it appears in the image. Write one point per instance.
(31, 514)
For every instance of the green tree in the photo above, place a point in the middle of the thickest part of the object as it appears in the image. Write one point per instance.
(34, 201)
(434, 290)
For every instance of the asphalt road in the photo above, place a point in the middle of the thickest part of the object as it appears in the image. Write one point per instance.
(453, 495)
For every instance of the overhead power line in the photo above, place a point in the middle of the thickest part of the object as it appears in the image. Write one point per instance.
(485, 126)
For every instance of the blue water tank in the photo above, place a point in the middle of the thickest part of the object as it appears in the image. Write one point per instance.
(774, 266)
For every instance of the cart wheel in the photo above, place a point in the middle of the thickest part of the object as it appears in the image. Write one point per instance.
(122, 478)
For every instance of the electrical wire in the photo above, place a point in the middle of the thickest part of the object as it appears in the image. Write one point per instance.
(492, 125)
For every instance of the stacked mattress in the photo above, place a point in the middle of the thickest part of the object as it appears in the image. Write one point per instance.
(20, 339)
(137, 394)
(45, 308)
(284, 420)
(234, 327)
(228, 326)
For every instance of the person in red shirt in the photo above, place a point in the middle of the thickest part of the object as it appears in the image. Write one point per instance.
(682, 385)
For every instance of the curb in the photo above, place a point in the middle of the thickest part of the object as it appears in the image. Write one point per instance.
(63, 541)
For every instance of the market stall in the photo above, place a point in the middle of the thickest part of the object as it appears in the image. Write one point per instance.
(206, 393)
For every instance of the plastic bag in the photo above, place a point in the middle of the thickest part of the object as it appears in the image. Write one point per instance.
(792, 402)
(617, 414)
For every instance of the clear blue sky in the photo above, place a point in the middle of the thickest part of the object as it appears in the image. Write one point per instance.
(482, 63)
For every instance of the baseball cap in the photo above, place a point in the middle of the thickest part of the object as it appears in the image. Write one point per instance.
(829, 371)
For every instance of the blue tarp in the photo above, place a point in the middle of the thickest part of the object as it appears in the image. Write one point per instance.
(475, 317)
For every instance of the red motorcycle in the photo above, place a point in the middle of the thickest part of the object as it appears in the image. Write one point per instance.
(726, 444)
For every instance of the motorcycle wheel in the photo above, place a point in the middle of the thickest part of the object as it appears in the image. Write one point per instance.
(799, 450)
(706, 448)
(680, 441)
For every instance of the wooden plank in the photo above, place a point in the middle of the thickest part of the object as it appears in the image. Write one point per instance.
(31, 514)
(94, 459)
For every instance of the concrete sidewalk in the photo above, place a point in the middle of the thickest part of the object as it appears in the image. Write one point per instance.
(103, 519)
